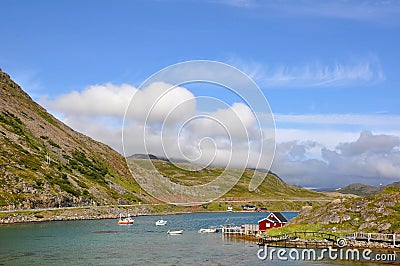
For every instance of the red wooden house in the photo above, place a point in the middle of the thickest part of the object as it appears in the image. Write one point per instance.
(273, 220)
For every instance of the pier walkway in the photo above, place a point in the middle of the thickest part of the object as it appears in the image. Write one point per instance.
(393, 239)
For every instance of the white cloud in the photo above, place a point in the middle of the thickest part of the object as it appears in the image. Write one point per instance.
(315, 155)
(221, 137)
(377, 11)
(370, 159)
(369, 144)
(364, 71)
(161, 102)
(105, 100)
(374, 120)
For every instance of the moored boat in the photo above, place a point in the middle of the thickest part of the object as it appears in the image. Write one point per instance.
(208, 230)
(161, 222)
(126, 220)
(175, 232)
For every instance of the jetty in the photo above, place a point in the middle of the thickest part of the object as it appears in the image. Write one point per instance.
(247, 229)
(320, 239)
(233, 230)
(393, 239)
(300, 239)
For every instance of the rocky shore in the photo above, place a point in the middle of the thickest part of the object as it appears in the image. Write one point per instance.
(321, 244)
(78, 213)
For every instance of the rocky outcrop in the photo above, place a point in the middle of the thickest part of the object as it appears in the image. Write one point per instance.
(378, 213)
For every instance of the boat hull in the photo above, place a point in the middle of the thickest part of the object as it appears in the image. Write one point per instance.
(176, 232)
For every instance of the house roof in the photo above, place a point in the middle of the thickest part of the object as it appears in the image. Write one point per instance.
(275, 217)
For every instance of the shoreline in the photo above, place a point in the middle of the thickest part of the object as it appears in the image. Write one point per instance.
(112, 212)
(25, 216)
(354, 244)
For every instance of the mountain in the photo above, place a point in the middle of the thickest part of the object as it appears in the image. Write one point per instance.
(143, 156)
(395, 184)
(44, 163)
(272, 187)
(153, 157)
(375, 213)
(358, 189)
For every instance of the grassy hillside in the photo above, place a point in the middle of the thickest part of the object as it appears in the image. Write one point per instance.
(273, 188)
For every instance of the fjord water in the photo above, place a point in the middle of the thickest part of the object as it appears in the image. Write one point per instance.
(104, 242)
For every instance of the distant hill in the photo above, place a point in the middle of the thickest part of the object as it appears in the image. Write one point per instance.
(272, 188)
(143, 156)
(44, 163)
(358, 189)
(375, 213)
(395, 184)
(154, 157)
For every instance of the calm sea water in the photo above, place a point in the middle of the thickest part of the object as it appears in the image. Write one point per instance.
(103, 242)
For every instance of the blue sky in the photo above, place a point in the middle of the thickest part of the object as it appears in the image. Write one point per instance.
(329, 69)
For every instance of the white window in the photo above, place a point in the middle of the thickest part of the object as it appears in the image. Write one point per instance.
(268, 225)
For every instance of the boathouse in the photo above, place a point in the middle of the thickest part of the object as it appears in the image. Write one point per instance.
(273, 220)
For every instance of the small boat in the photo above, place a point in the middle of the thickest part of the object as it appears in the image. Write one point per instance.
(175, 232)
(161, 222)
(126, 220)
(230, 209)
(208, 230)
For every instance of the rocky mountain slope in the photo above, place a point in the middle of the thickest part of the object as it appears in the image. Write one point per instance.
(377, 213)
(44, 163)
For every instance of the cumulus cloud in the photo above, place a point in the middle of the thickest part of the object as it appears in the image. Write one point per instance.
(223, 137)
(229, 135)
(161, 102)
(162, 119)
(96, 100)
(371, 159)
(370, 144)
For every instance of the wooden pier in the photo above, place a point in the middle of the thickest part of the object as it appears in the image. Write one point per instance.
(317, 239)
(247, 229)
(235, 230)
(393, 239)
(300, 239)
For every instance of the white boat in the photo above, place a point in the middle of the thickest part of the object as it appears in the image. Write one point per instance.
(230, 209)
(126, 220)
(208, 230)
(175, 232)
(161, 222)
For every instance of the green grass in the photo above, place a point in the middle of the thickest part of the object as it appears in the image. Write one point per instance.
(52, 143)
(15, 125)
(271, 188)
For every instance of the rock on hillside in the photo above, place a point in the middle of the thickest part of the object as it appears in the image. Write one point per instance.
(44, 163)
(377, 213)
